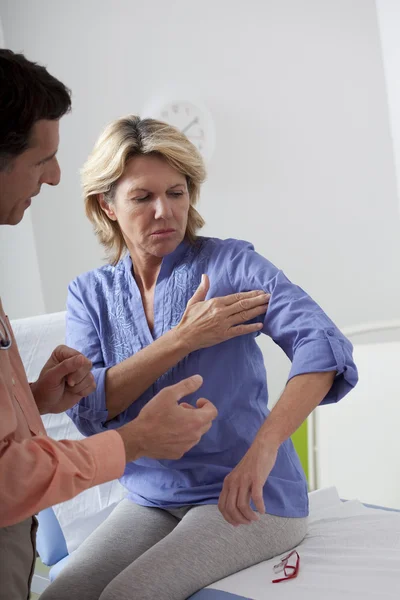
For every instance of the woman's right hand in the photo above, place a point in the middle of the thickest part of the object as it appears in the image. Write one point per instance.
(209, 322)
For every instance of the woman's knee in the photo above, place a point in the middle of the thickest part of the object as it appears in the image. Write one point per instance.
(140, 582)
(127, 590)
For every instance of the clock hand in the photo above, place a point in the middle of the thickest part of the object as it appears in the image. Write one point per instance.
(185, 129)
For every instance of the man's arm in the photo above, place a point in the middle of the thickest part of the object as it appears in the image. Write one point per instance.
(38, 472)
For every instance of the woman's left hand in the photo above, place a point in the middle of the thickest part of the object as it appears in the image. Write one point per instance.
(245, 483)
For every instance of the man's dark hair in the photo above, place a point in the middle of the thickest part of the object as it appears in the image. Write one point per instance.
(28, 93)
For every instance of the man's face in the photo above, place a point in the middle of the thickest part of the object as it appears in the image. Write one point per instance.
(24, 176)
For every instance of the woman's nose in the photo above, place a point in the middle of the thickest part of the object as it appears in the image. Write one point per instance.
(163, 208)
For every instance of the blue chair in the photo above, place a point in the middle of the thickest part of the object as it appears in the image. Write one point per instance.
(51, 544)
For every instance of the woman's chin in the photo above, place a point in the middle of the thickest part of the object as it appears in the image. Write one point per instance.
(163, 247)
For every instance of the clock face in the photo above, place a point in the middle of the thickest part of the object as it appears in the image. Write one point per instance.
(191, 120)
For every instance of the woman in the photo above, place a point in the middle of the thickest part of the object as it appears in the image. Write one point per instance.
(177, 531)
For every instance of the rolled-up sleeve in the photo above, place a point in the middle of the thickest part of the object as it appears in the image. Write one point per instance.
(296, 323)
(82, 333)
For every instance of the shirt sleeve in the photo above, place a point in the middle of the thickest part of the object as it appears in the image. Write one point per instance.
(295, 322)
(90, 413)
(38, 472)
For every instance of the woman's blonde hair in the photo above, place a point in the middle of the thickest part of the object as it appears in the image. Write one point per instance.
(120, 141)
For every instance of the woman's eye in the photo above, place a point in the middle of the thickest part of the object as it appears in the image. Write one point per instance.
(148, 196)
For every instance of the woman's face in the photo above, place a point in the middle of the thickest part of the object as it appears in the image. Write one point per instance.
(151, 205)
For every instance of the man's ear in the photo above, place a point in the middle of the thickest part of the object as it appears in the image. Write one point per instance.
(106, 207)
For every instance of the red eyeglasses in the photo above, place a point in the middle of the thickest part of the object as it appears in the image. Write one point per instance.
(290, 570)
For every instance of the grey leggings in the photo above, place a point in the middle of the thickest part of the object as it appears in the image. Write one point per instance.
(142, 553)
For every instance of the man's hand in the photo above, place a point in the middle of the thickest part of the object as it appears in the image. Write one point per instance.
(63, 381)
(166, 429)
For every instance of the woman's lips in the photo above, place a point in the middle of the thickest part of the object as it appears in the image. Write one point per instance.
(163, 232)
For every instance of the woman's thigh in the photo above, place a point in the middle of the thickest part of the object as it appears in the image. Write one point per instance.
(202, 549)
(128, 532)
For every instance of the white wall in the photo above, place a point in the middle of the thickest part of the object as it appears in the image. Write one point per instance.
(389, 28)
(21, 297)
(20, 282)
(304, 160)
(2, 45)
(363, 461)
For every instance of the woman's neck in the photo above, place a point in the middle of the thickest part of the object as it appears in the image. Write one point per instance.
(145, 270)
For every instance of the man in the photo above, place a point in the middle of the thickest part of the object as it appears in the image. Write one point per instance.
(36, 471)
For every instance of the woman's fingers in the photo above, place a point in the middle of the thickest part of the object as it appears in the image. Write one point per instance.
(257, 496)
(239, 330)
(245, 300)
(227, 503)
(234, 500)
(247, 315)
(232, 512)
(206, 323)
(243, 503)
(201, 292)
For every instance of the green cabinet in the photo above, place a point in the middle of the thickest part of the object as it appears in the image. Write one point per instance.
(300, 441)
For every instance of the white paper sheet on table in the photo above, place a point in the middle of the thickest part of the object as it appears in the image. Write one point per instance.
(350, 552)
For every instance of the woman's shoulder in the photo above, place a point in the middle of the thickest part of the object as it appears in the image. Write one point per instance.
(223, 246)
(102, 278)
(220, 253)
(235, 259)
